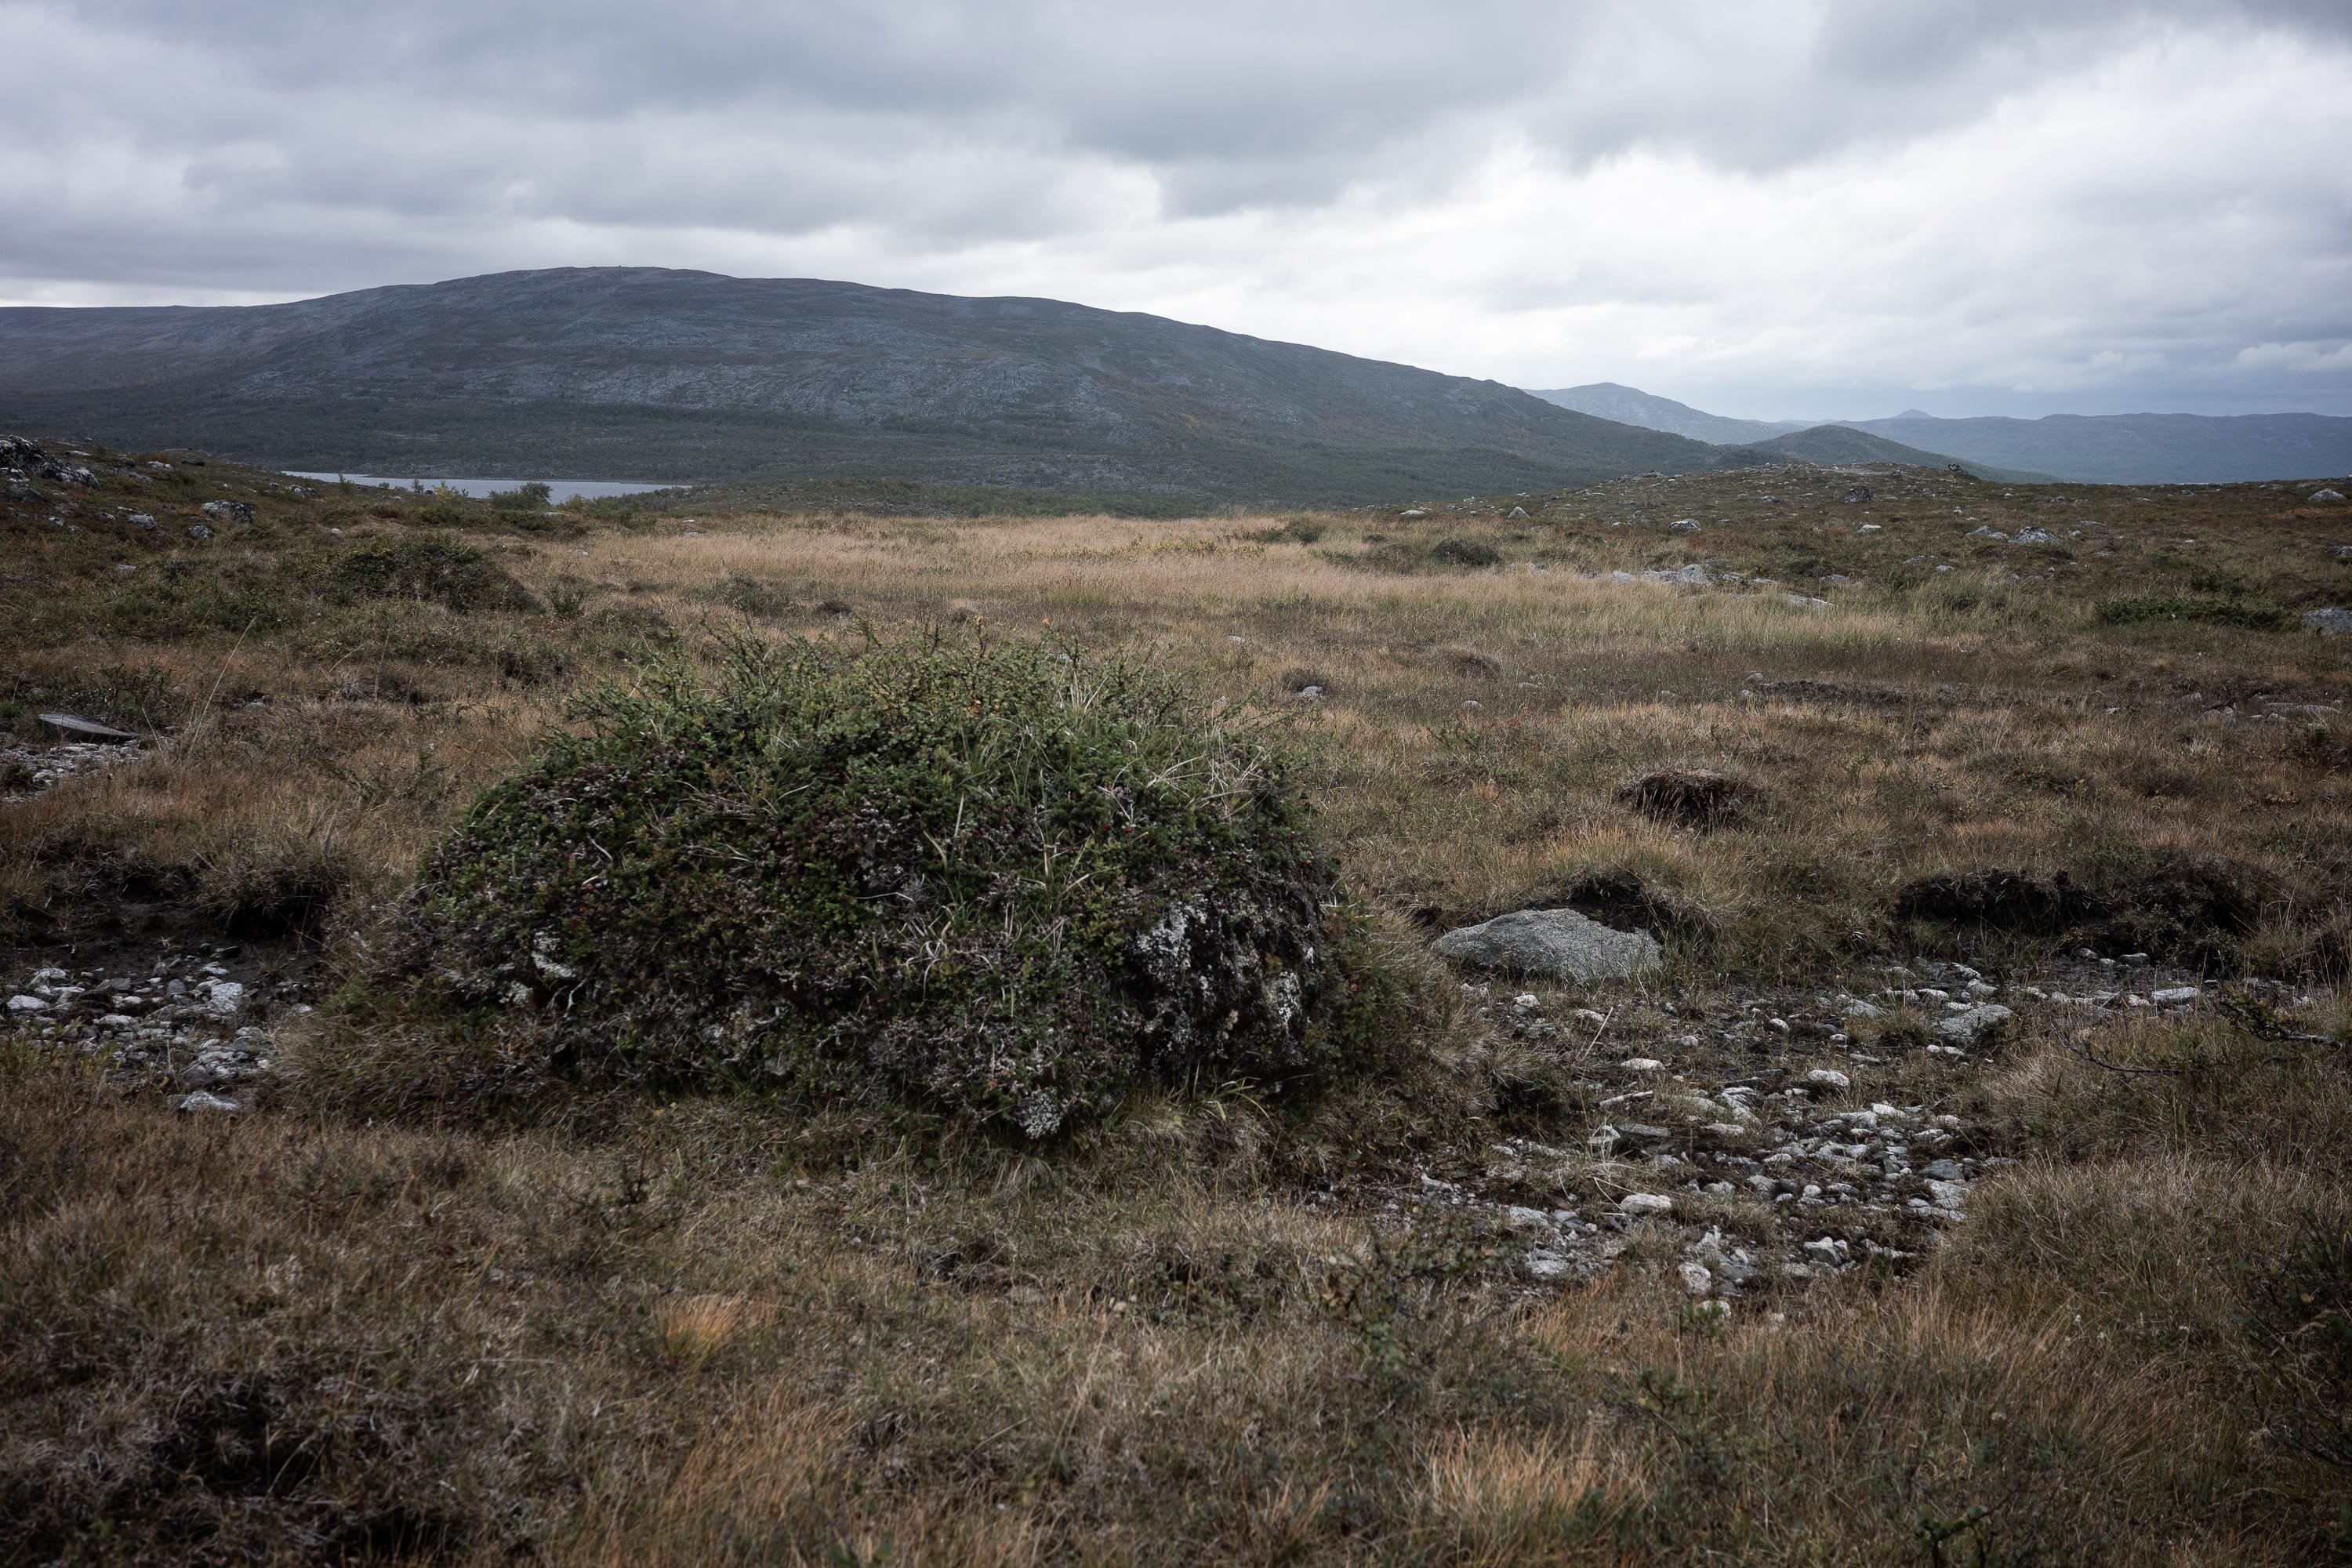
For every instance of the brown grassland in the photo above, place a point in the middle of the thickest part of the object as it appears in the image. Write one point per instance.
(338, 1327)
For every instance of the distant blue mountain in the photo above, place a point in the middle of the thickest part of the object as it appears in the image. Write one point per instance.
(2139, 449)
(2086, 449)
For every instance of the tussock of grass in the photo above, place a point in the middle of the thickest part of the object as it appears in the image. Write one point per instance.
(1004, 878)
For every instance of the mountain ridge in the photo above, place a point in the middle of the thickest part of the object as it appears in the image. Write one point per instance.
(2083, 449)
(694, 375)
(1632, 405)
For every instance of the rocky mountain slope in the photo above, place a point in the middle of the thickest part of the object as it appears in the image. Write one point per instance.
(639, 372)
(1632, 405)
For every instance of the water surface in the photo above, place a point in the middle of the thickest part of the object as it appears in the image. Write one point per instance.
(558, 490)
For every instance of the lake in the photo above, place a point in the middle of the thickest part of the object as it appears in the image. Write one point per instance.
(558, 490)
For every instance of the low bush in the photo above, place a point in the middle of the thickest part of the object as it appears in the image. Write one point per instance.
(534, 496)
(171, 599)
(439, 570)
(1465, 552)
(2136, 609)
(1446, 556)
(1008, 880)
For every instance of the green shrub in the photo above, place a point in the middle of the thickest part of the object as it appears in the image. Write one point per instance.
(168, 599)
(531, 497)
(438, 571)
(2134, 609)
(1009, 880)
(1465, 552)
(762, 601)
(1446, 556)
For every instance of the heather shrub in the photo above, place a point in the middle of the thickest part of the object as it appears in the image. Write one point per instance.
(1006, 879)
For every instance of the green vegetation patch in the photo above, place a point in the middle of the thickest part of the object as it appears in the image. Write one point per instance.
(439, 571)
(2136, 609)
(1009, 880)
(1454, 554)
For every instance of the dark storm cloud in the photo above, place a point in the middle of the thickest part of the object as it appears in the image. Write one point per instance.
(1409, 180)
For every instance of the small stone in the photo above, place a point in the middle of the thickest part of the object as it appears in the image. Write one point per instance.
(1643, 1064)
(2033, 536)
(1826, 1251)
(1856, 494)
(1519, 1218)
(2171, 993)
(1697, 1279)
(2327, 497)
(1966, 1025)
(28, 1005)
(1947, 1195)
(1543, 1264)
(73, 727)
(1638, 1204)
(1519, 511)
(199, 532)
(222, 998)
(1684, 525)
(2331, 621)
(1829, 1078)
(1942, 1170)
(204, 1100)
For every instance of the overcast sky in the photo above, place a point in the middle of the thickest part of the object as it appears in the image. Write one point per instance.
(1839, 208)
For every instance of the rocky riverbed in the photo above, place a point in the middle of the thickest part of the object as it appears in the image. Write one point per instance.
(1750, 1142)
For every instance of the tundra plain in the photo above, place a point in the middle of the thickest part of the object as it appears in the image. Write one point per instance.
(1406, 1317)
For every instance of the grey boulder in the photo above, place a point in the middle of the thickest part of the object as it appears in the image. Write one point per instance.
(1970, 1024)
(2333, 620)
(1558, 944)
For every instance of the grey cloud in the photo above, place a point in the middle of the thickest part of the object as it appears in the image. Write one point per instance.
(1220, 79)
(262, 144)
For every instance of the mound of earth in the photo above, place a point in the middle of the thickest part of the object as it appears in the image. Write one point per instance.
(1689, 798)
(1006, 880)
(2176, 908)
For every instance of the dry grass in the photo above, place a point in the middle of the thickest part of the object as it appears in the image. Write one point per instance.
(704, 1332)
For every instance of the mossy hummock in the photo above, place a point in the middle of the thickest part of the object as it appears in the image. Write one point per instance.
(1005, 878)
